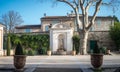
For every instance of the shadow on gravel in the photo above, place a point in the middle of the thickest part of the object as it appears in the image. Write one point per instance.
(10, 70)
(107, 69)
(57, 70)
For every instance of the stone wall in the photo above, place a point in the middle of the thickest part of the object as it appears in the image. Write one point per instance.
(1, 40)
(11, 52)
(103, 37)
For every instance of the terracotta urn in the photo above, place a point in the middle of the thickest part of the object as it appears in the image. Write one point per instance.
(19, 61)
(97, 60)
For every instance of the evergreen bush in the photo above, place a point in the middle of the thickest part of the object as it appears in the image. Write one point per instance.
(19, 50)
(99, 50)
(76, 42)
(96, 50)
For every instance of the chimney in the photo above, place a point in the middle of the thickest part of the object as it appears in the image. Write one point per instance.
(44, 14)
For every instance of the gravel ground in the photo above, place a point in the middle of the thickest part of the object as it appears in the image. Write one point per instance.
(112, 69)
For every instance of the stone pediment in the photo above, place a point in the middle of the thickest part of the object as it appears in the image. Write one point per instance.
(60, 26)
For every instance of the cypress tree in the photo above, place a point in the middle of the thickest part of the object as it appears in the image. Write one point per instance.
(8, 46)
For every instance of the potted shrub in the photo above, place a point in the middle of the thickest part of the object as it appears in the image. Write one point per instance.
(73, 51)
(19, 57)
(48, 51)
(97, 57)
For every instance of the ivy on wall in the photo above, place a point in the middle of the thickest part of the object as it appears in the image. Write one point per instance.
(31, 42)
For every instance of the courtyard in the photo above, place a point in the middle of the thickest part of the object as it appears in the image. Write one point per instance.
(79, 38)
(57, 63)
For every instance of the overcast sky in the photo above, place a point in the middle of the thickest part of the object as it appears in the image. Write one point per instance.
(32, 10)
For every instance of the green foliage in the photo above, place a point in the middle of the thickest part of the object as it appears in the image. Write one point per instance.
(19, 50)
(31, 41)
(115, 34)
(31, 52)
(5, 42)
(42, 51)
(76, 42)
(96, 50)
(25, 51)
(15, 39)
(103, 50)
(8, 45)
(115, 18)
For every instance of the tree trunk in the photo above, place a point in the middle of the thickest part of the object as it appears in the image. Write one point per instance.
(83, 42)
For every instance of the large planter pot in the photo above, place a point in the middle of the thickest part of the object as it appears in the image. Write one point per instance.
(49, 53)
(19, 61)
(73, 53)
(97, 60)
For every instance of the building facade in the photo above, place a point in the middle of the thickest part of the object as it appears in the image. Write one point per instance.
(28, 29)
(62, 28)
(1, 39)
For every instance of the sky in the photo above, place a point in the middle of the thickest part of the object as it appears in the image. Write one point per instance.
(32, 10)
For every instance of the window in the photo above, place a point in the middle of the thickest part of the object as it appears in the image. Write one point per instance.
(27, 30)
(98, 22)
(46, 28)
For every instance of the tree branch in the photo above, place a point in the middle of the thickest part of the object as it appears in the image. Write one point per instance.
(75, 3)
(86, 11)
(83, 13)
(75, 9)
(94, 15)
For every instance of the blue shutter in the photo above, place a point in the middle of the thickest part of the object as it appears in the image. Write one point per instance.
(46, 28)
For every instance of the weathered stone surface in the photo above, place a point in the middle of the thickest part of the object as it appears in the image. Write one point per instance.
(103, 37)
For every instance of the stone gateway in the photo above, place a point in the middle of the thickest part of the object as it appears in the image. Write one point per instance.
(61, 38)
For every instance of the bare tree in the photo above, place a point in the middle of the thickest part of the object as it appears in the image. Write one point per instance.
(83, 6)
(11, 19)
